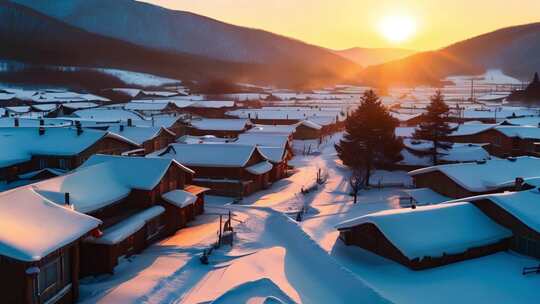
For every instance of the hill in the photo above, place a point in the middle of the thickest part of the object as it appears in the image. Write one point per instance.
(373, 56)
(30, 36)
(513, 50)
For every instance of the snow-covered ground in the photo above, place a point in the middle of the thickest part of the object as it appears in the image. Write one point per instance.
(276, 260)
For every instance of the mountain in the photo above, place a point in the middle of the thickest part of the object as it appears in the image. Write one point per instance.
(43, 32)
(514, 50)
(373, 56)
(184, 32)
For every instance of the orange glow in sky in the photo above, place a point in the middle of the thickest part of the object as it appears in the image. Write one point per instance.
(338, 24)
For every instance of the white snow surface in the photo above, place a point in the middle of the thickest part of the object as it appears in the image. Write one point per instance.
(417, 233)
(179, 198)
(31, 227)
(122, 230)
(114, 176)
(490, 175)
(260, 168)
(204, 155)
(218, 124)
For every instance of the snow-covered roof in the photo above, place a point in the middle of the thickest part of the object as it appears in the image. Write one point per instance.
(523, 205)
(404, 117)
(138, 134)
(33, 122)
(213, 104)
(20, 144)
(204, 155)
(179, 198)
(114, 177)
(205, 139)
(44, 107)
(405, 131)
(272, 129)
(107, 114)
(218, 124)
(260, 168)
(523, 132)
(19, 109)
(310, 124)
(122, 230)
(79, 105)
(457, 152)
(525, 121)
(31, 227)
(431, 231)
(145, 106)
(426, 196)
(472, 129)
(263, 140)
(273, 154)
(489, 175)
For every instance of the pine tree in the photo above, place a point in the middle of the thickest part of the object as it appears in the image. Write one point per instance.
(434, 126)
(370, 138)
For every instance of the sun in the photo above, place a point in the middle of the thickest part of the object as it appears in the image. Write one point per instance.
(397, 29)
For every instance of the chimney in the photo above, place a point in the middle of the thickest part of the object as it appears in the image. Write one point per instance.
(66, 199)
(16, 121)
(41, 131)
(41, 122)
(519, 183)
(121, 128)
(129, 122)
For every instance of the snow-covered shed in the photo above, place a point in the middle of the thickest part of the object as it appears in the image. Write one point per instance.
(427, 236)
(417, 153)
(469, 179)
(227, 169)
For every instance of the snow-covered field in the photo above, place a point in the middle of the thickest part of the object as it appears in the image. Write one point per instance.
(276, 260)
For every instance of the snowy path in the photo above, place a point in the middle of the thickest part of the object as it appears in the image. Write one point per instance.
(275, 257)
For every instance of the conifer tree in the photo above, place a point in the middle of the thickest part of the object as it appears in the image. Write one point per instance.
(434, 126)
(369, 138)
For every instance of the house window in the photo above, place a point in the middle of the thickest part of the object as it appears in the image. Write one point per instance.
(63, 164)
(42, 163)
(154, 227)
(53, 276)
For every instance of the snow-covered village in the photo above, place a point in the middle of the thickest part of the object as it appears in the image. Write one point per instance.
(181, 152)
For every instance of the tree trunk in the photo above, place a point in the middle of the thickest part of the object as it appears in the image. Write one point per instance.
(368, 173)
(355, 196)
(435, 158)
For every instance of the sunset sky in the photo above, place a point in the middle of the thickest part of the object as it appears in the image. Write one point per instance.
(338, 24)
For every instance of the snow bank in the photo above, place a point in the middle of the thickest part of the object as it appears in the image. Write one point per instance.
(434, 230)
(262, 291)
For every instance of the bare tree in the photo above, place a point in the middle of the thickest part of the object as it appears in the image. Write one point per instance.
(357, 181)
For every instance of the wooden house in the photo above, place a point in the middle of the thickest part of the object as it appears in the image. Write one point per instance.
(209, 108)
(132, 206)
(517, 211)
(227, 169)
(149, 138)
(469, 179)
(31, 149)
(427, 236)
(40, 252)
(229, 128)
